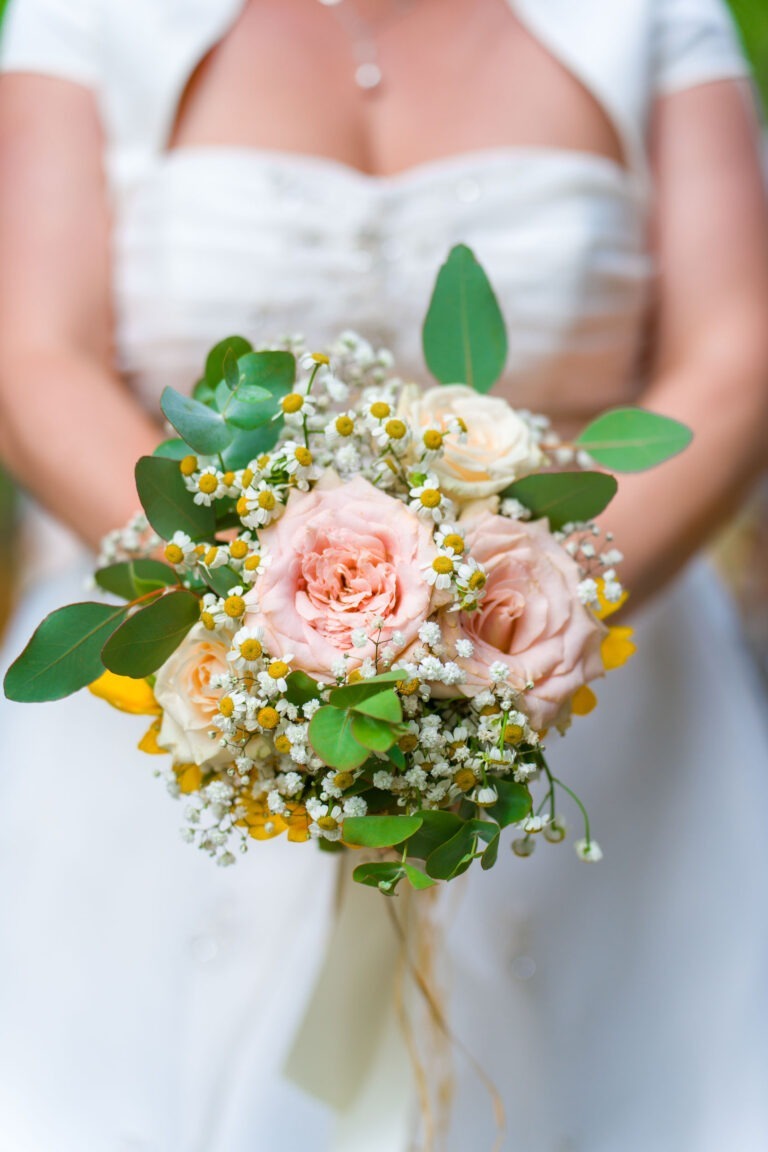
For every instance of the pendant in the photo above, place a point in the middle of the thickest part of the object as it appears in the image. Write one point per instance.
(368, 76)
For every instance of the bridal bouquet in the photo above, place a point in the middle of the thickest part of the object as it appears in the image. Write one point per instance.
(354, 608)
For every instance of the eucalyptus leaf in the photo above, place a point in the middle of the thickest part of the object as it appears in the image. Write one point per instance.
(203, 392)
(168, 505)
(447, 860)
(491, 854)
(437, 826)
(464, 336)
(64, 653)
(418, 879)
(351, 695)
(513, 804)
(632, 439)
(379, 831)
(301, 688)
(197, 424)
(222, 580)
(146, 639)
(564, 497)
(331, 738)
(214, 365)
(174, 449)
(120, 579)
(246, 446)
(376, 735)
(381, 875)
(230, 369)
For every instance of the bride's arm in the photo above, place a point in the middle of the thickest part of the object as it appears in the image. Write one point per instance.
(711, 369)
(69, 430)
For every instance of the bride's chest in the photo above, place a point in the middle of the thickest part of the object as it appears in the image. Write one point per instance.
(267, 244)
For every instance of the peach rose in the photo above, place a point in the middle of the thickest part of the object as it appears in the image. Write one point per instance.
(183, 690)
(531, 618)
(499, 448)
(340, 557)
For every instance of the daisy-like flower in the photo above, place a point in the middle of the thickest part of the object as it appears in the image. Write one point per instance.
(339, 430)
(260, 505)
(181, 553)
(247, 649)
(300, 464)
(297, 407)
(440, 572)
(470, 584)
(427, 500)
(326, 820)
(392, 435)
(272, 680)
(588, 850)
(206, 486)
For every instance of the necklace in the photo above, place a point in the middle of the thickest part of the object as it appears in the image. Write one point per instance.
(362, 36)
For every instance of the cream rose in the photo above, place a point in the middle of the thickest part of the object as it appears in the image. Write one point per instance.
(341, 557)
(183, 690)
(531, 618)
(499, 447)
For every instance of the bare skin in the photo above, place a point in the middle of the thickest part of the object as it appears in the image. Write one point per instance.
(458, 77)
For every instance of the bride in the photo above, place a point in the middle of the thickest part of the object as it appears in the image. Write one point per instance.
(178, 170)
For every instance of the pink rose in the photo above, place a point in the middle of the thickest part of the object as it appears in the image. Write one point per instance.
(531, 618)
(340, 557)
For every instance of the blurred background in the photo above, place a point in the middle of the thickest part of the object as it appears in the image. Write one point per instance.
(741, 552)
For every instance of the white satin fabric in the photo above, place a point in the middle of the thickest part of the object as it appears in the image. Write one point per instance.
(148, 1001)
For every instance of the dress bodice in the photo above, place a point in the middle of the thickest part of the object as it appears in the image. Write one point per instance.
(213, 241)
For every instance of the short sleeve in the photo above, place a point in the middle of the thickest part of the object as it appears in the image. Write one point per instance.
(52, 37)
(695, 42)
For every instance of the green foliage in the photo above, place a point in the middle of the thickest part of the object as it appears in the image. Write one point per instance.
(379, 831)
(565, 497)
(330, 734)
(199, 425)
(132, 578)
(222, 580)
(64, 654)
(632, 440)
(301, 688)
(214, 364)
(167, 503)
(464, 335)
(352, 695)
(752, 18)
(146, 639)
(513, 804)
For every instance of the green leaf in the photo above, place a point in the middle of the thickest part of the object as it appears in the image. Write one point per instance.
(631, 439)
(352, 695)
(230, 369)
(203, 392)
(483, 829)
(447, 860)
(383, 876)
(146, 639)
(397, 757)
(491, 854)
(438, 826)
(169, 506)
(200, 426)
(214, 365)
(246, 446)
(173, 450)
(377, 735)
(120, 579)
(565, 497)
(331, 737)
(464, 336)
(64, 654)
(383, 706)
(513, 804)
(418, 879)
(264, 377)
(301, 688)
(222, 580)
(379, 831)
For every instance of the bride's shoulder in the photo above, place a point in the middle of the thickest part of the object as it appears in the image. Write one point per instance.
(694, 42)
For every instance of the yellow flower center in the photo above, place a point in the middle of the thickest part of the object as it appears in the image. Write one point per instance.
(344, 425)
(278, 669)
(188, 465)
(442, 565)
(320, 358)
(252, 562)
(343, 780)
(395, 429)
(208, 483)
(268, 718)
(465, 779)
(174, 554)
(355, 676)
(303, 456)
(210, 556)
(247, 477)
(461, 424)
(264, 461)
(242, 506)
(293, 402)
(454, 541)
(490, 710)
(250, 649)
(408, 742)
(407, 687)
(234, 606)
(430, 498)
(226, 706)
(267, 500)
(282, 744)
(433, 439)
(477, 580)
(327, 823)
(207, 621)
(380, 410)
(228, 478)
(514, 733)
(238, 549)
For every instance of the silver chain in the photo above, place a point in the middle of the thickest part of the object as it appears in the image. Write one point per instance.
(362, 37)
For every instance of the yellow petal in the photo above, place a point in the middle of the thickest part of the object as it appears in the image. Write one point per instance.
(126, 694)
(148, 742)
(189, 776)
(617, 647)
(583, 701)
(608, 607)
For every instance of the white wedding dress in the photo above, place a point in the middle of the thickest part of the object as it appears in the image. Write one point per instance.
(148, 999)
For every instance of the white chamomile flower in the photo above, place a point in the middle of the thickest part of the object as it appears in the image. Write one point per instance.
(588, 850)
(439, 574)
(297, 407)
(392, 435)
(326, 820)
(272, 681)
(181, 552)
(215, 557)
(339, 430)
(247, 649)
(300, 464)
(262, 505)
(427, 500)
(485, 796)
(470, 584)
(205, 485)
